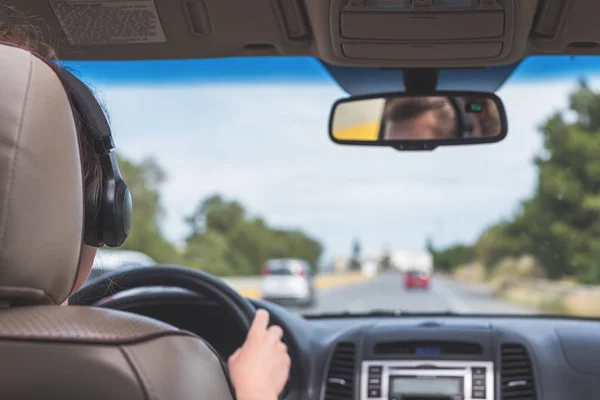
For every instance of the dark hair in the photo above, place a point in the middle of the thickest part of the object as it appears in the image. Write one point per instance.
(90, 164)
(29, 37)
(406, 108)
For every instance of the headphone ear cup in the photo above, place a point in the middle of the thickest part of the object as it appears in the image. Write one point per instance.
(118, 216)
(91, 233)
(108, 218)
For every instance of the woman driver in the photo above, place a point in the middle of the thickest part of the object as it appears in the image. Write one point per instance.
(259, 369)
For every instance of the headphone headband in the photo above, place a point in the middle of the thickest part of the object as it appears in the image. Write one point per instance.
(107, 219)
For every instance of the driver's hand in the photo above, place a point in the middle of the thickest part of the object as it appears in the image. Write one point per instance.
(259, 369)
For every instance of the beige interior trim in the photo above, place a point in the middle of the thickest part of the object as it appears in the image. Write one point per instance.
(41, 204)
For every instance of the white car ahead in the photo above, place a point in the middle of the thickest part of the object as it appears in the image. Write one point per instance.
(288, 281)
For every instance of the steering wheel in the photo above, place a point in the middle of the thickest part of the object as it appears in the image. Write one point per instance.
(240, 309)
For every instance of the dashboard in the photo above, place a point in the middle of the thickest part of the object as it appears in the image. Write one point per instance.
(429, 357)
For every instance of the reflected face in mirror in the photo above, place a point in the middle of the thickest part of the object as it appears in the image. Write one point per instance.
(419, 118)
(389, 119)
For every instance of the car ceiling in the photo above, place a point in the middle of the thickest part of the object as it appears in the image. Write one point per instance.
(364, 44)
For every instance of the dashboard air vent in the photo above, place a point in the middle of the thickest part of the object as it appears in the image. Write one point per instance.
(428, 348)
(516, 373)
(340, 377)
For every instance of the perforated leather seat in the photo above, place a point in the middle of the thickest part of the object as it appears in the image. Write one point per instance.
(53, 352)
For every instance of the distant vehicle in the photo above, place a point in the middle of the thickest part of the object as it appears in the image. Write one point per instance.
(412, 260)
(108, 260)
(417, 279)
(288, 281)
(370, 267)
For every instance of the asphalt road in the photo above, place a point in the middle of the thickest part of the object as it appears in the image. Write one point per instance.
(386, 291)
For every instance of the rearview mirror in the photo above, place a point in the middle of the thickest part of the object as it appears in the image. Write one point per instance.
(418, 122)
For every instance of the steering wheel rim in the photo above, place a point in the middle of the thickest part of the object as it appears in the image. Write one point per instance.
(200, 282)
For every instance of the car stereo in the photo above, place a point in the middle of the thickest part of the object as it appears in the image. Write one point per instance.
(427, 380)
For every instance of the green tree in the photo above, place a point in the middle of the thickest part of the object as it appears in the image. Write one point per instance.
(560, 223)
(450, 257)
(563, 216)
(145, 180)
(299, 245)
(500, 241)
(453, 256)
(216, 214)
(243, 244)
(208, 251)
(252, 244)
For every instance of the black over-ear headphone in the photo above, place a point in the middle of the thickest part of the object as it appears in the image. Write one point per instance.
(464, 120)
(107, 221)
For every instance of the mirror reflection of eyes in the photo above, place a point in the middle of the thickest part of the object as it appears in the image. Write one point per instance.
(419, 118)
(393, 118)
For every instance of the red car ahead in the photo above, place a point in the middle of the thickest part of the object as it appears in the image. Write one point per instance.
(417, 279)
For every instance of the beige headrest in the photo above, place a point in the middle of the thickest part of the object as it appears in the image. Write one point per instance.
(41, 185)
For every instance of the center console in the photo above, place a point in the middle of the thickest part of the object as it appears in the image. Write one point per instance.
(427, 362)
(427, 379)
(438, 358)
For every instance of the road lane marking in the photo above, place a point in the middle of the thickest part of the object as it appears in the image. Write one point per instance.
(457, 304)
(333, 290)
(333, 281)
(251, 293)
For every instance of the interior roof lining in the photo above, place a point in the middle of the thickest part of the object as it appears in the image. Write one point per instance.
(310, 28)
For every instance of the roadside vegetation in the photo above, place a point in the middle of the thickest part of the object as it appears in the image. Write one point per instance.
(223, 238)
(547, 254)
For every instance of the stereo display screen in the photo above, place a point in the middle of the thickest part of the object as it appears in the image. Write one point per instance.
(400, 385)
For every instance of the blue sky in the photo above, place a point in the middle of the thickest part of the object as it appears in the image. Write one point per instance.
(255, 130)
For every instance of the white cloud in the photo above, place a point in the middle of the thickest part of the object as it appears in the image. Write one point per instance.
(268, 147)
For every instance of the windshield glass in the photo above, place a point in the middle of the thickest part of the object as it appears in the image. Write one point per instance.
(231, 166)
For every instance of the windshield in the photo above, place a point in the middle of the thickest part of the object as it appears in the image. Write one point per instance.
(231, 166)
